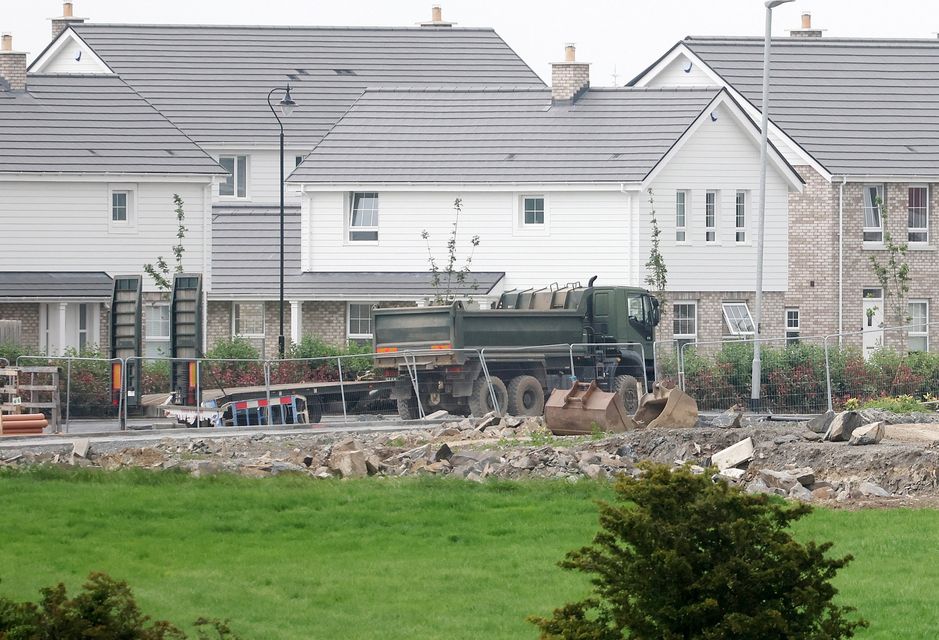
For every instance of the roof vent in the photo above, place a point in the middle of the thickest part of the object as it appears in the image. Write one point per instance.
(67, 18)
(806, 31)
(436, 18)
(344, 72)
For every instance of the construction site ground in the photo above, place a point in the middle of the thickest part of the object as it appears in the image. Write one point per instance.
(904, 464)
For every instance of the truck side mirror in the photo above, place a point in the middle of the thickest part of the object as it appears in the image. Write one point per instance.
(656, 314)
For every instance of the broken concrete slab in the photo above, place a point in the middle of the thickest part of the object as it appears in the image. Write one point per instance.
(869, 489)
(348, 464)
(732, 474)
(843, 425)
(805, 475)
(778, 479)
(729, 419)
(868, 434)
(820, 423)
(80, 447)
(733, 455)
(437, 415)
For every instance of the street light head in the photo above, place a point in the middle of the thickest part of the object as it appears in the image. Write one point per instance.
(772, 4)
(287, 105)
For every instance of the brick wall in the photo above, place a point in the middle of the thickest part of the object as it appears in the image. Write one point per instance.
(569, 79)
(218, 317)
(27, 313)
(326, 321)
(710, 314)
(13, 69)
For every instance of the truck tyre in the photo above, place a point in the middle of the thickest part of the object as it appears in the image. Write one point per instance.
(526, 397)
(314, 409)
(627, 388)
(407, 409)
(480, 400)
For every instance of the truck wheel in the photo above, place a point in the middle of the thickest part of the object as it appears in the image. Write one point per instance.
(407, 409)
(627, 388)
(526, 397)
(480, 401)
(314, 410)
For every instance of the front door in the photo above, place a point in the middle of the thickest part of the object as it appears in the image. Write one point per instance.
(873, 321)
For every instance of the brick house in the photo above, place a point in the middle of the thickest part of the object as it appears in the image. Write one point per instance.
(859, 119)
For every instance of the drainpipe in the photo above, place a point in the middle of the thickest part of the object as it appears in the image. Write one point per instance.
(844, 179)
(632, 234)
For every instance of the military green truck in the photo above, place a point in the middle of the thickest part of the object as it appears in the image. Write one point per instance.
(436, 349)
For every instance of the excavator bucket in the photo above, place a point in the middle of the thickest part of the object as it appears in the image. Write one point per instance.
(666, 407)
(576, 411)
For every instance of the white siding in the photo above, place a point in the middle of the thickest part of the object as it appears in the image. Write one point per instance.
(264, 176)
(674, 75)
(719, 156)
(64, 226)
(588, 235)
(64, 60)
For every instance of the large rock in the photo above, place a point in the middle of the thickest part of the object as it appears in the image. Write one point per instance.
(805, 475)
(733, 455)
(779, 479)
(843, 425)
(820, 424)
(730, 419)
(798, 492)
(868, 434)
(348, 464)
(872, 490)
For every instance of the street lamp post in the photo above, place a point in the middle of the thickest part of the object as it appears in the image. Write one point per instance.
(761, 225)
(286, 107)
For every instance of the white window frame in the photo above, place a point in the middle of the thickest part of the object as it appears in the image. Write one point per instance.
(682, 198)
(349, 229)
(519, 226)
(685, 337)
(924, 333)
(234, 177)
(731, 325)
(350, 335)
(153, 339)
(924, 230)
(740, 230)
(710, 230)
(257, 339)
(872, 235)
(130, 224)
(792, 333)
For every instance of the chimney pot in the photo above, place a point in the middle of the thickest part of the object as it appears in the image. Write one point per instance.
(570, 52)
(67, 9)
(806, 20)
(6, 42)
(436, 15)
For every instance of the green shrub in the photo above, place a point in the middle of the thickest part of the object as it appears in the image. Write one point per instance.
(234, 348)
(897, 404)
(11, 351)
(105, 609)
(682, 556)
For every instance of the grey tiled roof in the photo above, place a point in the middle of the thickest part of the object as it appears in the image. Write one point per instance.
(213, 81)
(858, 106)
(55, 284)
(82, 123)
(246, 263)
(502, 136)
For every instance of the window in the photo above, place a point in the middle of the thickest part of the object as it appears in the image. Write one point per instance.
(792, 326)
(533, 210)
(738, 319)
(363, 218)
(918, 215)
(83, 322)
(360, 321)
(741, 225)
(119, 201)
(297, 160)
(681, 202)
(248, 323)
(157, 336)
(918, 339)
(235, 185)
(873, 225)
(710, 216)
(685, 322)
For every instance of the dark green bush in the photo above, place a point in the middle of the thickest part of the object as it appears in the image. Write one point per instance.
(683, 557)
(105, 609)
(235, 348)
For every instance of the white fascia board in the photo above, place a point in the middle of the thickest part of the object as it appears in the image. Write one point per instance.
(39, 64)
(792, 178)
(751, 110)
(471, 188)
(861, 177)
(52, 176)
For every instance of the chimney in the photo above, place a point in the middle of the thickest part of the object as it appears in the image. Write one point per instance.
(436, 18)
(806, 31)
(569, 79)
(67, 18)
(12, 66)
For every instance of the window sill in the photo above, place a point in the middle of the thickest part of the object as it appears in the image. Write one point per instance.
(361, 243)
(715, 243)
(234, 198)
(683, 243)
(874, 246)
(920, 246)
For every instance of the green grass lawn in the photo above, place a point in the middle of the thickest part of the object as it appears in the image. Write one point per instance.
(291, 557)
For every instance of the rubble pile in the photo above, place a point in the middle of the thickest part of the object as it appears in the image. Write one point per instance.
(853, 459)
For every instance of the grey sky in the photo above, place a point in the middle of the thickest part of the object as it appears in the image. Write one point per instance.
(624, 35)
